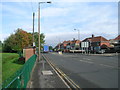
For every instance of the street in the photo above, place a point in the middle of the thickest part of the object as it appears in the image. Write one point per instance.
(88, 71)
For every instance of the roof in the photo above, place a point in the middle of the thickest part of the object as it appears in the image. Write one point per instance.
(95, 39)
(117, 38)
(99, 38)
(66, 42)
(87, 39)
(77, 41)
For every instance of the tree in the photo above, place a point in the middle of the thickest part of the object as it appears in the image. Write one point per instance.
(50, 48)
(18, 41)
(0, 46)
(21, 39)
(42, 41)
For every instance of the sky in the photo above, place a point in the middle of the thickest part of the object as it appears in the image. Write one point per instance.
(59, 19)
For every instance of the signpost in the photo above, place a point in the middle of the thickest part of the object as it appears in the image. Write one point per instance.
(85, 46)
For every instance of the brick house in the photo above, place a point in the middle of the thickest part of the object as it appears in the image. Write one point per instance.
(114, 41)
(75, 44)
(115, 44)
(97, 43)
(58, 47)
(68, 45)
(100, 41)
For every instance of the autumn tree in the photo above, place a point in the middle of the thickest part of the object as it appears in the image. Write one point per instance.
(18, 41)
(21, 39)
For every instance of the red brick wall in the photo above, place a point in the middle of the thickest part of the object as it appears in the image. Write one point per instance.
(28, 53)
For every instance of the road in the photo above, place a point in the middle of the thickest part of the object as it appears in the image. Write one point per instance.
(88, 71)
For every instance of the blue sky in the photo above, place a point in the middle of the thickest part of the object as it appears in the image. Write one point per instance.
(59, 19)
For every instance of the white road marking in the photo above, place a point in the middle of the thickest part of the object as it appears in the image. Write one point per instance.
(107, 65)
(86, 61)
(86, 58)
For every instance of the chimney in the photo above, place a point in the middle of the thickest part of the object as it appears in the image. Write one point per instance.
(92, 35)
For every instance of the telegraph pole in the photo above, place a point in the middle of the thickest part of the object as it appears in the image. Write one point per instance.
(33, 29)
(39, 30)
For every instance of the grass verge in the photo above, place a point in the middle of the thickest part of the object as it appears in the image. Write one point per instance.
(9, 65)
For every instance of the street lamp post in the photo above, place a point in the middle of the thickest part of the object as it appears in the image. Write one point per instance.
(39, 26)
(78, 33)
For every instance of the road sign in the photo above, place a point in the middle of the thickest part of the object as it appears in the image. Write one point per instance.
(85, 44)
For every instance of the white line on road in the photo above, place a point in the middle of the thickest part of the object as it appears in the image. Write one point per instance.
(107, 65)
(86, 61)
(86, 58)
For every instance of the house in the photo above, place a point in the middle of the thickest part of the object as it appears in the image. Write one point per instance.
(75, 44)
(100, 41)
(117, 43)
(97, 43)
(58, 47)
(68, 45)
(88, 40)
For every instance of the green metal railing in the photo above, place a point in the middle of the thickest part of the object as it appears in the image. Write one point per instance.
(22, 76)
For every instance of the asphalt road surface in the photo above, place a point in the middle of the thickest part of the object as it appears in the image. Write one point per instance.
(88, 71)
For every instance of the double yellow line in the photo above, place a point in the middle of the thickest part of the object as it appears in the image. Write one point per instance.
(68, 82)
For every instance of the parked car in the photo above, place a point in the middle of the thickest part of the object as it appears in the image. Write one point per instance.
(101, 51)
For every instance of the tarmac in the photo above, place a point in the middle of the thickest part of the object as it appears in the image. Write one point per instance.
(43, 76)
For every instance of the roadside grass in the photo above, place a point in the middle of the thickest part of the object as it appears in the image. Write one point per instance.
(9, 65)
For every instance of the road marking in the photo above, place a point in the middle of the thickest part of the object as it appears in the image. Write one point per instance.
(86, 58)
(67, 81)
(86, 61)
(107, 65)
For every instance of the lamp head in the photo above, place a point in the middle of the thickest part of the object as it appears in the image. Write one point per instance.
(49, 2)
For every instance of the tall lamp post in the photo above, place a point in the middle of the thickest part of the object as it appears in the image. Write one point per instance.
(78, 33)
(39, 25)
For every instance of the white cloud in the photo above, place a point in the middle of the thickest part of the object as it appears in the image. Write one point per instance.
(54, 12)
(3, 36)
(55, 38)
(59, 20)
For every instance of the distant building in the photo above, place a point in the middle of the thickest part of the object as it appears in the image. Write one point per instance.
(68, 45)
(97, 43)
(94, 44)
(117, 43)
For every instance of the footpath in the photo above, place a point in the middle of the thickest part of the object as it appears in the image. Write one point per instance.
(43, 76)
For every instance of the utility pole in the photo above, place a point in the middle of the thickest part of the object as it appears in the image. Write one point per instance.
(33, 29)
(39, 30)
(39, 25)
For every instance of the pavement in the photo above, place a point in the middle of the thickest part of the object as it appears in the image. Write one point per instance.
(88, 71)
(43, 76)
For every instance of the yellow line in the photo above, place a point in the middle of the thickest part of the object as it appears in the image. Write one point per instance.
(64, 75)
